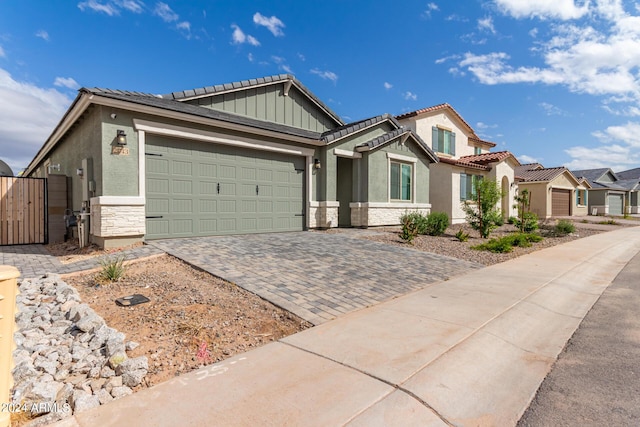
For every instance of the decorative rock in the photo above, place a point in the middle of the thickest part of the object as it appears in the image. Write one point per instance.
(65, 352)
(82, 401)
(118, 392)
(131, 345)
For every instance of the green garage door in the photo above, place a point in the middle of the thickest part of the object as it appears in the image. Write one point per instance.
(615, 204)
(201, 189)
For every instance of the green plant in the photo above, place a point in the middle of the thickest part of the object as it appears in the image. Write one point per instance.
(526, 221)
(112, 268)
(512, 220)
(505, 244)
(436, 223)
(609, 221)
(462, 236)
(564, 227)
(484, 215)
(411, 224)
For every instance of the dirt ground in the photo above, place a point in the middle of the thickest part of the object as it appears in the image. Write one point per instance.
(193, 319)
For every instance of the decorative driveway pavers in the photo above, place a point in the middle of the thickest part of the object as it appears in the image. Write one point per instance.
(35, 260)
(315, 275)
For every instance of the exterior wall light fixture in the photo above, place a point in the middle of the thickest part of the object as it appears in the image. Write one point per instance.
(80, 172)
(121, 139)
(317, 164)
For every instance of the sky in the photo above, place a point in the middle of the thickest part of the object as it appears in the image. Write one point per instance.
(552, 81)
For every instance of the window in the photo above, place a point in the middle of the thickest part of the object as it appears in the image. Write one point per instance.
(468, 186)
(443, 141)
(477, 150)
(581, 197)
(400, 181)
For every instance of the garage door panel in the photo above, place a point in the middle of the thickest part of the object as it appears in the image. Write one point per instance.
(615, 204)
(560, 202)
(199, 189)
(181, 168)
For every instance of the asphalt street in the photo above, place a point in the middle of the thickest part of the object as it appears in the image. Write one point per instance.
(596, 379)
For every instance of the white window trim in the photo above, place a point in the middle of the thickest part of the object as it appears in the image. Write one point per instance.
(402, 159)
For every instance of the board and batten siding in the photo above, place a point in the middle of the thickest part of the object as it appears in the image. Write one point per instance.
(269, 103)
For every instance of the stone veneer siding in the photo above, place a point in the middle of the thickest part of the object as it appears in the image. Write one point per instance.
(323, 214)
(117, 220)
(373, 214)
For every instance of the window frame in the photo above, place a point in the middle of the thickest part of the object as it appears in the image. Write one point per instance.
(405, 161)
(473, 180)
(439, 140)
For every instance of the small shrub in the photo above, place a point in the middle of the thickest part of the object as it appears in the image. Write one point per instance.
(564, 227)
(411, 225)
(527, 223)
(506, 243)
(112, 268)
(500, 221)
(609, 221)
(436, 223)
(512, 220)
(462, 236)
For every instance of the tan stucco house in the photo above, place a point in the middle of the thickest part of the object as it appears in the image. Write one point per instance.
(553, 191)
(464, 158)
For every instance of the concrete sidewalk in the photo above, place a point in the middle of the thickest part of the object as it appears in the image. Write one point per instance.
(469, 351)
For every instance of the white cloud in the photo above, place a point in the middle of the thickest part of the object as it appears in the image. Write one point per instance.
(628, 134)
(484, 126)
(544, 9)
(533, 33)
(239, 37)
(272, 24)
(67, 82)
(250, 57)
(165, 13)
(287, 69)
(387, 85)
(22, 133)
(431, 7)
(524, 159)
(486, 24)
(96, 6)
(301, 57)
(621, 149)
(326, 75)
(112, 7)
(2, 54)
(552, 110)
(43, 35)
(410, 96)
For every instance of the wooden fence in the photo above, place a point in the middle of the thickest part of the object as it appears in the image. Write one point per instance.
(23, 207)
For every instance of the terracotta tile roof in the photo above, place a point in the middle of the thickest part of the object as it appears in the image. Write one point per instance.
(439, 107)
(527, 167)
(464, 164)
(482, 141)
(487, 158)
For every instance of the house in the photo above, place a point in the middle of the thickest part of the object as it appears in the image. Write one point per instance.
(553, 191)
(253, 156)
(464, 158)
(630, 179)
(608, 194)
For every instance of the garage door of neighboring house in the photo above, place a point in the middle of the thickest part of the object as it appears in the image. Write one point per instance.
(199, 189)
(560, 202)
(615, 204)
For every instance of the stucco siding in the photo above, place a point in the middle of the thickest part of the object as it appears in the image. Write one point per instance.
(423, 127)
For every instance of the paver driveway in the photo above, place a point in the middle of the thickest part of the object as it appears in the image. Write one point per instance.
(316, 275)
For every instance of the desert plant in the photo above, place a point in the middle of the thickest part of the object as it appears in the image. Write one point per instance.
(505, 244)
(436, 223)
(484, 215)
(411, 223)
(609, 221)
(462, 236)
(112, 268)
(526, 221)
(564, 227)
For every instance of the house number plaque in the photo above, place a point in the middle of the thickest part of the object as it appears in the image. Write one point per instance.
(120, 151)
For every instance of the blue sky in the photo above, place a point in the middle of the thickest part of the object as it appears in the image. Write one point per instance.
(554, 81)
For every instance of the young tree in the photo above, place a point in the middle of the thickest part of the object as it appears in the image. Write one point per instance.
(527, 221)
(484, 216)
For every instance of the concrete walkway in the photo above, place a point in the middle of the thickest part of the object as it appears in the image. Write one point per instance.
(35, 260)
(596, 380)
(317, 276)
(468, 351)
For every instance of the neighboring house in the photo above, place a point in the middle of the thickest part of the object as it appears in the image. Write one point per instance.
(261, 155)
(464, 159)
(553, 191)
(630, 179)
(608, 194)
(5, 170)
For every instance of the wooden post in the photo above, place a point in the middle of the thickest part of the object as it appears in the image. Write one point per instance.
(8, 292)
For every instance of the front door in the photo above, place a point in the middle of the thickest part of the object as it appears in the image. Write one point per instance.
(344, 192)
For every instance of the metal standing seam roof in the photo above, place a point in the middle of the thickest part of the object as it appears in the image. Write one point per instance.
(383, 139)
(527, 167)
(170, 105)
(350, 128)
(247, 84)
(542, 175)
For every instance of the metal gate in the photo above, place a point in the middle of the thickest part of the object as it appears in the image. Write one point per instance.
(23, 207)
